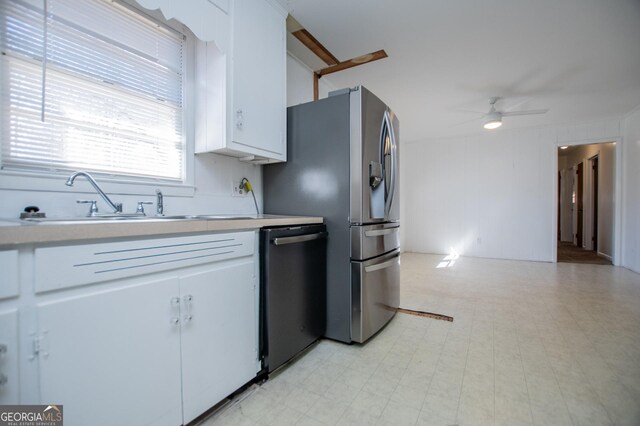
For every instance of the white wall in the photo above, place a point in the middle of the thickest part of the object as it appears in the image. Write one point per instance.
(300, 83)
(631, 191)
(489, 195)
(213, 177)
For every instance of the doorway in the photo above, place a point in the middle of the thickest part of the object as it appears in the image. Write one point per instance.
(586, 188)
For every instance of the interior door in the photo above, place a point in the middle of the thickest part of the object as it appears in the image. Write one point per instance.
(580, 204)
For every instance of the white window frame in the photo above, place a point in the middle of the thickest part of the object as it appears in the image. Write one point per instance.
(54, 181)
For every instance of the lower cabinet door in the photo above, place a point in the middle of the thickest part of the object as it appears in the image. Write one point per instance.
(9, 386)
(219, 336)
(112, 357)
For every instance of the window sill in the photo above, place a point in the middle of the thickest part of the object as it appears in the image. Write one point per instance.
(15, 180)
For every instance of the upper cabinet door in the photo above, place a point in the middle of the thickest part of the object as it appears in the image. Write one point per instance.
(257, 117)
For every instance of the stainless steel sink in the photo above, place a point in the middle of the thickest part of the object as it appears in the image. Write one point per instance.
(85, 219)
(222, 217)
(204, 217)
(125, 217)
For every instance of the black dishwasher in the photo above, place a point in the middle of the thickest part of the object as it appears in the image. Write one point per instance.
(293, 279)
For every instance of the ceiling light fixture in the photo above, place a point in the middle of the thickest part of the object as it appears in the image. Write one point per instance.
(493, 120)
(564, 147)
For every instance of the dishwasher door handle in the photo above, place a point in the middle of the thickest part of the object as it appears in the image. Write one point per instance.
(280, 241)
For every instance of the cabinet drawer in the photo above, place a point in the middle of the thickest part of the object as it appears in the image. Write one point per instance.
(70, 266)
(9, 268)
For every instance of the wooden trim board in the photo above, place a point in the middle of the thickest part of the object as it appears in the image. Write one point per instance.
(426, 314)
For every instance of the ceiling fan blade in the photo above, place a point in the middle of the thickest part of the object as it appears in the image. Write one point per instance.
(310, 41)
(511, 103)
(354, 62)
(529, 112)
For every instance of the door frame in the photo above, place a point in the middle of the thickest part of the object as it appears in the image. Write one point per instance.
(593, 188)
(617, 196)
(578, 213)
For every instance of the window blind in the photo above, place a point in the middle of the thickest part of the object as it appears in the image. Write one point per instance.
(92, 85)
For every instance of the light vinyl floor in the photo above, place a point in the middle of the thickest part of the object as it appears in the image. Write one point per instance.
(531, 343)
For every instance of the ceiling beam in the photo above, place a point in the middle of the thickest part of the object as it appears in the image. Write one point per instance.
(310, 41)
(350, 63)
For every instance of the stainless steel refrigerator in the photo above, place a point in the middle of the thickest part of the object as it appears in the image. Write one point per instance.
(342, 163)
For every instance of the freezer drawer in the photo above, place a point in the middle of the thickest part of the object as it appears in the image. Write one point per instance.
(375, 287)
(373, 240)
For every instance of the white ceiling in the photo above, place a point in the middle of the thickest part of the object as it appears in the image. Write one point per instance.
(579, 58)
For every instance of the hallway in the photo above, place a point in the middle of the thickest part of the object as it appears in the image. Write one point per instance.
(568, 253)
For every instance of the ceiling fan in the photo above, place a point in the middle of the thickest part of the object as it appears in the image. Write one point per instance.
(493, 119)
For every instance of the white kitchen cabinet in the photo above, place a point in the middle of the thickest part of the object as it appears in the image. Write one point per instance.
(219, 346)
(207, 19)
(252, 82)
(9, 383)
(9, 268)
(165, 329)
(113, 357)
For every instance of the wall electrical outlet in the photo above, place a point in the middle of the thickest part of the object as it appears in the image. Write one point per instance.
(237, 190)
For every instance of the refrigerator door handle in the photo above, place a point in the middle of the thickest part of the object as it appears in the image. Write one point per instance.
(393, 171)
(379, 232)
(383, 265)
(280, 241)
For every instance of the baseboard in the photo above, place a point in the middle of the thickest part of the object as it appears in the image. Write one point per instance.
(606, 256)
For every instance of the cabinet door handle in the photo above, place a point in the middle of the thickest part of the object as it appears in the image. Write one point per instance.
(175, 321)
(3, 379)
(175, 301)
(188, 298)
(239, 119)
(188, 318)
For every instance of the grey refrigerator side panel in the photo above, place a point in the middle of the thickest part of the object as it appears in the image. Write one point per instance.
(315, 181)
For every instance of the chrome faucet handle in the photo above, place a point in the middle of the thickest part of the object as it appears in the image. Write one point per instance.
(93, 209)
(140, 208)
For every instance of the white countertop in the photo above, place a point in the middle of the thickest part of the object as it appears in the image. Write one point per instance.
(15, 232)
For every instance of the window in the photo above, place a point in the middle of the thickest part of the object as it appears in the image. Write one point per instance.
(94, 86)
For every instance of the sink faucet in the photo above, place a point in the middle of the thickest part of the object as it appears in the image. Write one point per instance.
(117, 207)
(159, 203)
